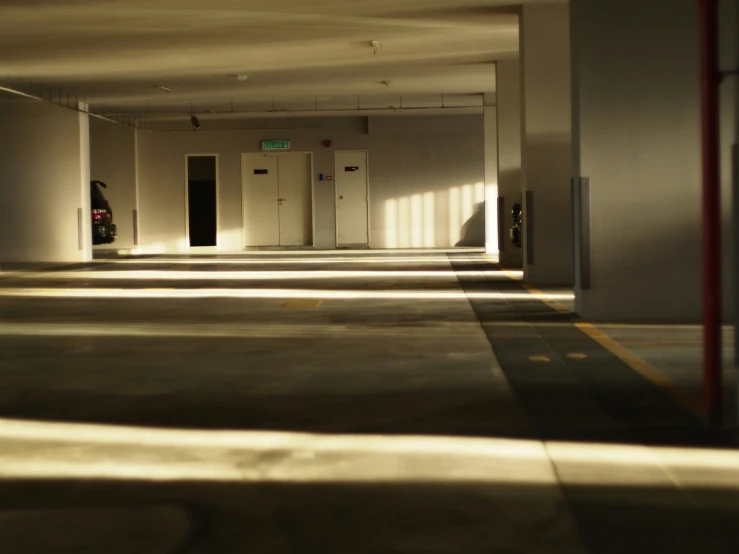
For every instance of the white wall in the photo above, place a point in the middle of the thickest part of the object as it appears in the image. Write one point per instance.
(637, 137)
(162, 177)
(418, 168)
(430, 173)
(113, 161)
(44, 180)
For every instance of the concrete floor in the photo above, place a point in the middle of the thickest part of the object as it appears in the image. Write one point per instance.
(344, 402)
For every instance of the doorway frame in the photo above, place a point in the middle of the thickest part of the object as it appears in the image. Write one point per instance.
(203, 249)
(336, 196)
(277, 154)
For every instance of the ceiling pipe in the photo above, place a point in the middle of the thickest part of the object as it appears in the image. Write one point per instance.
(87, 111)
(302, 111)
(315, 109)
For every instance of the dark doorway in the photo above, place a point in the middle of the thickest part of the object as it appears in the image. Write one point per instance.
(201, 200)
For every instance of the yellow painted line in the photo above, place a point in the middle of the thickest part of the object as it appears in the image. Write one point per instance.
(539, 358)
(644, 369)
(543, 297)
(577, 356)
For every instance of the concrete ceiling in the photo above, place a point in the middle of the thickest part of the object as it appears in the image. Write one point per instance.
(296, 53)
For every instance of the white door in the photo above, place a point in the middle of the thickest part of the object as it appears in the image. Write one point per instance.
(260, 188)
(277, 199)
(295, 199)
(351, 198)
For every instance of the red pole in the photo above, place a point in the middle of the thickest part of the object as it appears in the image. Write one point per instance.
(710, 78)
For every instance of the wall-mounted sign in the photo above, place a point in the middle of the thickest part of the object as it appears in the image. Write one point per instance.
(275, 145)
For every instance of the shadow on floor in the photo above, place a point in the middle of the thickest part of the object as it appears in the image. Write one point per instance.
(95, 516)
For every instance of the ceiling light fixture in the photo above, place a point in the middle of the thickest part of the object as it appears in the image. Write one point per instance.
(242, 77)
(162, 88)
(195, 123)
(376, 45)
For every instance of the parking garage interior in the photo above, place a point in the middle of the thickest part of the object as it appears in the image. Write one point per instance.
(313, 331)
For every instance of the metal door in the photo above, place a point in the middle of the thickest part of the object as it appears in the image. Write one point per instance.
(295, 199)
(352, 217)
(260, 188)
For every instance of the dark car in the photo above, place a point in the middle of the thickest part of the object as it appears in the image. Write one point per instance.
(103, 229)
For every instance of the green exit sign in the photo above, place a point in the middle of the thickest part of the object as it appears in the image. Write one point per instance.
(275, 145)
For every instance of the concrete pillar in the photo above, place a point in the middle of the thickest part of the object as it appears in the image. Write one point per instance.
(508, 92)
(636, 131)
(84, 219)
(44, 183)
(546, 144)
(490, 125)
(113, 161)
